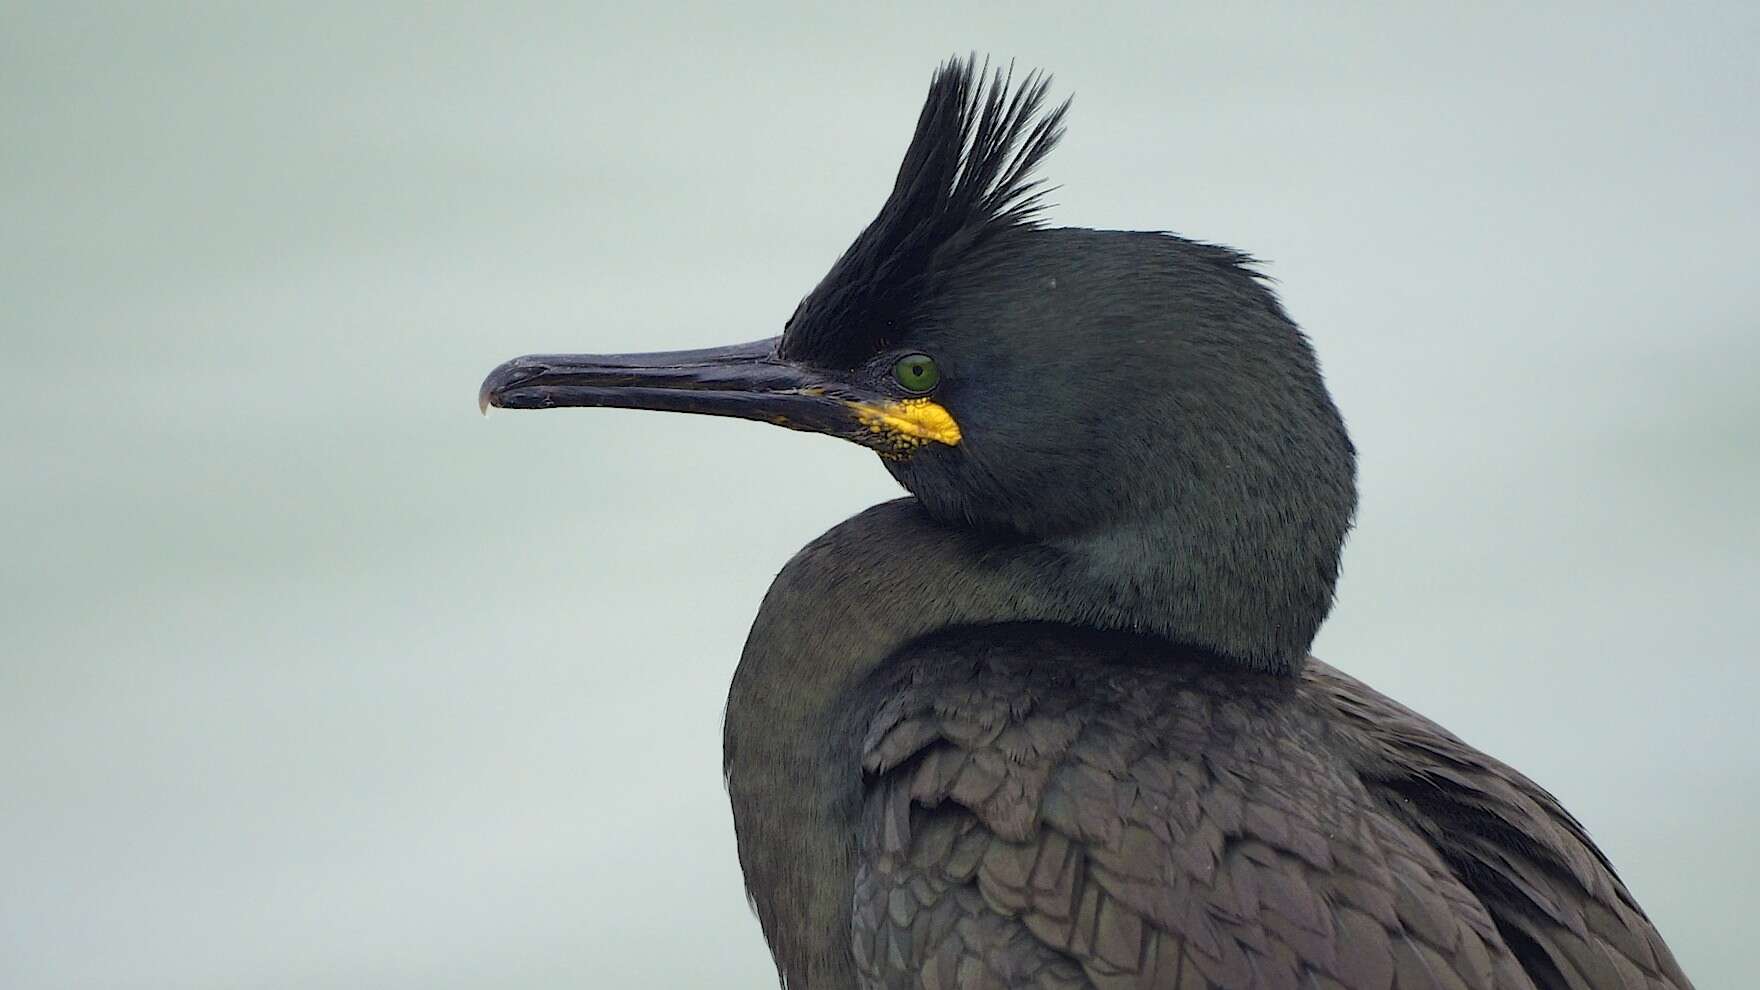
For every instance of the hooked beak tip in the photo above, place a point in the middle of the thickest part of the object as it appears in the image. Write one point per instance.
(506, 375)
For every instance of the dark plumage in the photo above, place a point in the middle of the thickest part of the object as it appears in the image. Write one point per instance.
(1050, 721)
(965, 178)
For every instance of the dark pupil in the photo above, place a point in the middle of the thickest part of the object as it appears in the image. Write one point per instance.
(916, 371)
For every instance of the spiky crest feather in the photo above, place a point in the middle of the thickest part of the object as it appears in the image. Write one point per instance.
(965, 177)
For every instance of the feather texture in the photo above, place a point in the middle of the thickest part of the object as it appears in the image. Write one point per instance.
(966, 176)
(1045, 812)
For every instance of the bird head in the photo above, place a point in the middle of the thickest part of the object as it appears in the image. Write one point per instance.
(1139, 393)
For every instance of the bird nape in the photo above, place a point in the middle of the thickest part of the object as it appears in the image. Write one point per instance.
(1050, 720)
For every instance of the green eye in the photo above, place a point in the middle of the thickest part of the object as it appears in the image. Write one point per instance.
(917, 373)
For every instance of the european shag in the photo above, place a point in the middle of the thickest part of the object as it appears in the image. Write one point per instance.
(1051, 721)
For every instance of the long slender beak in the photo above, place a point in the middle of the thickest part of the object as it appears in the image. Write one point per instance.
(747, 381)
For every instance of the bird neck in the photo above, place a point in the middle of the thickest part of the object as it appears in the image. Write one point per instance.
(835, 613)
(791, 750)
(1251, 592)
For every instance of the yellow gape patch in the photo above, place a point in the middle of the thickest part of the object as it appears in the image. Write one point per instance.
(902, 426)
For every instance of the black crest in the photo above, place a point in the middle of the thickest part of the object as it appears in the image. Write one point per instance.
(965, 177)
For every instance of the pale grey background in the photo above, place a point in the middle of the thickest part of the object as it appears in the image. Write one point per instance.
(311, 677)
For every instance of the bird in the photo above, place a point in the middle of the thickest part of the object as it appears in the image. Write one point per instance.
(1050, 719)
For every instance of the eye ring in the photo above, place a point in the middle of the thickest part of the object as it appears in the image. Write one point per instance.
(916, 374)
